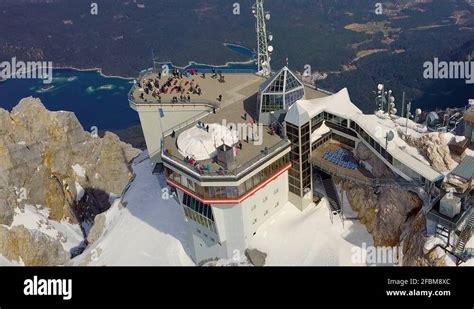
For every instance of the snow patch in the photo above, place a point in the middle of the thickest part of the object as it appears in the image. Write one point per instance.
(79, 170)
(5, 262)
(319, 132)
(37, 218)
(295, 238)
(79, 191)
(150, 231)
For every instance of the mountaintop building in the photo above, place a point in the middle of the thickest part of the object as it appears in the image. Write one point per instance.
(232, 167)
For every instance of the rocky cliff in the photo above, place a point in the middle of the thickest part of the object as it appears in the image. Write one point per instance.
(48, 160)
(435, 148)
(383, 212)
(393, 215)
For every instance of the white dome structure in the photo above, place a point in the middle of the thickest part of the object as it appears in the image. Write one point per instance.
(201, 145)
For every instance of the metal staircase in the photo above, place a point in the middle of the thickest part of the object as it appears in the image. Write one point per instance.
(464, 237)
(331, 193)
(443, 232)
(335, 205)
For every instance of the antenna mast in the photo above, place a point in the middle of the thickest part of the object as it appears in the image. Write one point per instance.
(264, 49)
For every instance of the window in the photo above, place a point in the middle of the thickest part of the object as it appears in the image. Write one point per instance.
(277, 204)
(190, 184)
(276, 191)
(198, 230)
(198, 212)
(254, 221)
(265, 199)
(254, 207)
(266, 213)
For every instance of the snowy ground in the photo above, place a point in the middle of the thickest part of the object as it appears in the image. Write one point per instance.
(152, 231)
(295, 238)
(6, 262)
(37, 218)
(149, 231)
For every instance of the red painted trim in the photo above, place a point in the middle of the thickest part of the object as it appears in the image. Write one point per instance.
(228, 201)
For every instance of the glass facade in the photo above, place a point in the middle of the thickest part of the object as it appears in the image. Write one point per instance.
(280, 92)
(300, 173)
(230, 192)
(272, 102)
(305, 154)
(199, 212)
(294, 174)
(374, 144)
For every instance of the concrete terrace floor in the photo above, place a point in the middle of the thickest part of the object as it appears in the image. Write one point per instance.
(239, 98)
(318, 154)
(236, 87)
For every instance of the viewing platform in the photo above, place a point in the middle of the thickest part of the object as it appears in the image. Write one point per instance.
(191, 88)
(359, 174)
(240, 115)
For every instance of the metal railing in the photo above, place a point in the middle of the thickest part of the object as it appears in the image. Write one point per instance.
(185, 124)
(202, 68)
(452, 225)
(204, 170)
(149, 71)
(335, 172)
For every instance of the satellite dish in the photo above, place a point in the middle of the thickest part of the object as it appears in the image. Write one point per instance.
(380, 87)
(268, 16)
(390, 136)
(270, 48)
(270, 37)
(418, 112)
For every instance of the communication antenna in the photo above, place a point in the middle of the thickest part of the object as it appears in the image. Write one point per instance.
(403, 104)
(392, 110)
(380, 100)
(263, 53)
(408, 115)
(388, 138)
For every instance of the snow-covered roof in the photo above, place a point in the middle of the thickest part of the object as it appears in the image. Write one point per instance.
(340, 104)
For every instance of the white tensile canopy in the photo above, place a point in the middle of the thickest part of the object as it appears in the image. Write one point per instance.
(201, 145)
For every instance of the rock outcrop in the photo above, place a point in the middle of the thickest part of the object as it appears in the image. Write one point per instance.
(383, 213)
(372, 162)
(435, 148)
(413, 243)
(31, 247)
(256, 257)
(46, 158)
(394, 218)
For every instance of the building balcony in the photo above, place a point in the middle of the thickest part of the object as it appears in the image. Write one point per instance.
(229, 194)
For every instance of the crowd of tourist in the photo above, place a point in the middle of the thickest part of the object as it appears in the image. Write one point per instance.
(177, 83)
